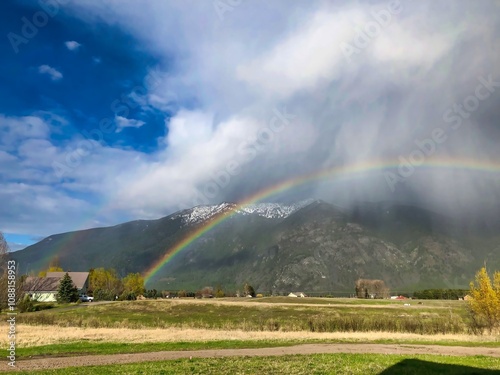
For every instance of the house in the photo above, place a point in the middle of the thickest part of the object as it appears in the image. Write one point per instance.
(80, 279)
(44, 289)
(297, 294)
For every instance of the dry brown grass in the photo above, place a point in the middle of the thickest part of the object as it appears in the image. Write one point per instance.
(28, 336)
(335, 302)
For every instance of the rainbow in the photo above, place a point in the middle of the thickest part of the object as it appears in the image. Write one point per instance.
(70, 239)
(351, 170)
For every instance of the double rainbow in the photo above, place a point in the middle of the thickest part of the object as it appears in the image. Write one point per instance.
(337, 172)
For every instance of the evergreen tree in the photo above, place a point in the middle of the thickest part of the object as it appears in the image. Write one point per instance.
(67, 291)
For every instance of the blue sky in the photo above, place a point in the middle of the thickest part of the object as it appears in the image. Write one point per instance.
(119, 110)
(69, 75)
(103, 64)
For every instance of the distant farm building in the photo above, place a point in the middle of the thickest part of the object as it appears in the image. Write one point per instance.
(399, 297)
(44, 289)
(297, 294)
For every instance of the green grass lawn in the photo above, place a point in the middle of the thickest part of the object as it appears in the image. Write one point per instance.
(338, 364)
(88, 348)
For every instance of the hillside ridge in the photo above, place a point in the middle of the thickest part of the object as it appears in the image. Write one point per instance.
(309, 245)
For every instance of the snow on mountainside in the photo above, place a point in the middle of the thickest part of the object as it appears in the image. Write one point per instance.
(274, 210)
(199, 214)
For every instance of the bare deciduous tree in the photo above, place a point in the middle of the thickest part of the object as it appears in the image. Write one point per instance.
(4, 276)
(366, 288)
(33, 285)
(4, 250)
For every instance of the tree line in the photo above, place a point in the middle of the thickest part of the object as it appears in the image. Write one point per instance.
(105, 284)
(217, 292)
(450, 294)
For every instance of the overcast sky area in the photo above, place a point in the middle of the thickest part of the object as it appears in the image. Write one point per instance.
(120, 110)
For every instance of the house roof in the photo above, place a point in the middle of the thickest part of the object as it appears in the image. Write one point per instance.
(79, 278)
(41, 284)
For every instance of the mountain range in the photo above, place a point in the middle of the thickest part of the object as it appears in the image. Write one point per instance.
(311, 245)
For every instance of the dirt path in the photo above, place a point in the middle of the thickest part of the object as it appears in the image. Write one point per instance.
(61, 362)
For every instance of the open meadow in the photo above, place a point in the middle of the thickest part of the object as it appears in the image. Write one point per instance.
(227, 327)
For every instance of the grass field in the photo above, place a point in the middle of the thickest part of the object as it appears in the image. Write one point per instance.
(264, 314)
(232, 323)
(349, 301)
(339, 364)
(48, 340)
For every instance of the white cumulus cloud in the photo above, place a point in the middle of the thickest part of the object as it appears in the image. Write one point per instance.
(123, 122)
(72, 45)
(53, 73)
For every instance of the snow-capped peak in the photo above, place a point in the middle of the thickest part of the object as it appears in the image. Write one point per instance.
(199, 214)
(273, 210)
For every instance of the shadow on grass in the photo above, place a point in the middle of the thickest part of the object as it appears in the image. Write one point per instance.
(415, 366)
